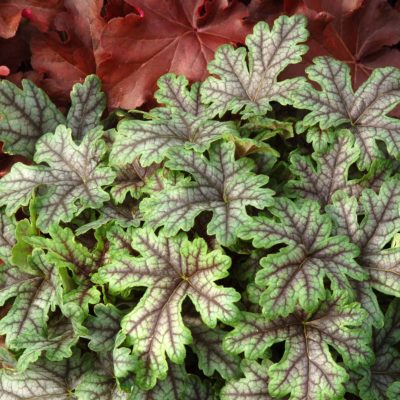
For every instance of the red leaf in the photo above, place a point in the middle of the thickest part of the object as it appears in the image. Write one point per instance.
(165, 36)
(63, 64)
(41, 14)
(10, 17)
(362, 36)
(68, 57)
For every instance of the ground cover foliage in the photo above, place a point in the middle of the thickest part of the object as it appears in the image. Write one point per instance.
(238, 241)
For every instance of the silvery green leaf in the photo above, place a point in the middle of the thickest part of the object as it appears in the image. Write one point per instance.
(7, 236)
(25, 115)
(35, 295)
(87, 105)
(171, 269)
(295, 275)
(254, 386)
(71, 181)
(379, 222)
(183, 123)
(247, 80)
(221, 184)
(207, 345)
(363, 112)
(307, 370)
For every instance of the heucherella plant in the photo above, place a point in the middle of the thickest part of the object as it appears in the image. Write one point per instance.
(237, 241)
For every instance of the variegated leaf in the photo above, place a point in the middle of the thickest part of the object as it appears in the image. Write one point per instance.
(254, 386)
(380, 222)
(222, 185)
(320, 176)
(87, 105)
(25, 115)
(307, 369)
(7, 236)
(171, 269)
(70, 182)
(363, 112)
(207, 345)
(96, 385)
(295, 275)
(183, 123)
(248, 80)
(103, 327)
(35, 295)
(55, 342)
(381, 380)
(44, 380)
(176, 386)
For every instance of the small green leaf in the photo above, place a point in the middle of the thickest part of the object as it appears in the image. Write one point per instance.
(87, 105)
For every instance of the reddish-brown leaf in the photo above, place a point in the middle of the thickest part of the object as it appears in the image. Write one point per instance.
(165, 36)
(10, 16)
(41, 14)
(68, 57)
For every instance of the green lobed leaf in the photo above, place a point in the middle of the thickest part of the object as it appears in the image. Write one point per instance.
(77, 263)
(222, 185)
(380, 220)
(176, 386)
(44, 380)
(72, 180)
(26, 114)
(247, 80)
(171, 269)
(318, 177)
(382, 378)
(133, 179)
(35, 295)
(22, 251)
(55, 342)
(207, 345)
(363, 112)
(99, 386)
(103, 327)
(307, 369)
(254, 386)
(87, 105)
(183, 124)
(295, 274)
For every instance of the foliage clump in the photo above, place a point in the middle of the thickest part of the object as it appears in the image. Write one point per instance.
(239, 241)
